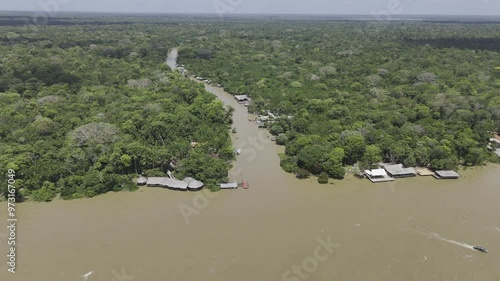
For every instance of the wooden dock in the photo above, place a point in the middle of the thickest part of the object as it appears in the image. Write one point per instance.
(244, 184)
(234, 185)
(424, 172)
(379, 180)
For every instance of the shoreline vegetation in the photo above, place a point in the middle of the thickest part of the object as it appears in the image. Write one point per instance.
(360, 93)
(84, 116)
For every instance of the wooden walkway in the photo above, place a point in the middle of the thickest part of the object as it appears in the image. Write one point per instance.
(424, 172)
(379, 180)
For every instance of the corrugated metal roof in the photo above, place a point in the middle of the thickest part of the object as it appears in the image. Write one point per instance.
(167, 182)
(229, 185)
(399, 170)
(376, 172)
(447, 174)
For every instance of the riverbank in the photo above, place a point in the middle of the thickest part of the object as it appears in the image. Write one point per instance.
(386, 232)
(229, 99)
(267, 229)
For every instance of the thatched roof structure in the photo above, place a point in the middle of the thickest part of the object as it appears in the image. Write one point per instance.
(171, 183)
(193, 184)
(167, 183)
(142, 180)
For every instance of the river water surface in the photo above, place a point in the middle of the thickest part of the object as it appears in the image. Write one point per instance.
(411, 229)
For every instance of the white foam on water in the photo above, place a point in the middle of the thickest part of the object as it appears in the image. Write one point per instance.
(492, 228)
(468, 257)
(389, 267)
(86, 275)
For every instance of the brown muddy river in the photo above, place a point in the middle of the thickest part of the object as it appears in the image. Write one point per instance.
(412, 229)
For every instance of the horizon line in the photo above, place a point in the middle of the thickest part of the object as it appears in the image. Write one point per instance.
(240, 14)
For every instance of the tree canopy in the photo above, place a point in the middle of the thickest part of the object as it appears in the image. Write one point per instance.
(391, 91)
(85, 107)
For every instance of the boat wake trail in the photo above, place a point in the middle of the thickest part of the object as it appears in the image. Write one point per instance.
(492, 228)
(430, 234)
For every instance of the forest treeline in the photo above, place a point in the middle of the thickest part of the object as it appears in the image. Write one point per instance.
(84, 109)
(88, 106)
(415, 93)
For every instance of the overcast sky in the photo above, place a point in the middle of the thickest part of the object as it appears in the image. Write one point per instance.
(364, 7)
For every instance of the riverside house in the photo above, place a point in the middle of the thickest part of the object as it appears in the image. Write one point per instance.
(171, 183)
(446, 175)
(243, 99)
(495, 145)
(398, 171)
(377, 175)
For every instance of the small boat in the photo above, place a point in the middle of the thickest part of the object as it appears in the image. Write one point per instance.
(480, 249)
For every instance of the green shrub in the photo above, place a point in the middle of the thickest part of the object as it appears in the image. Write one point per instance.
(281, 139)
(323, 178)
(154, 173)
(44, 194)
(214, 188)
(337, 171)
(70, 186)
(288, 164)
(303, 174)
(276, 130)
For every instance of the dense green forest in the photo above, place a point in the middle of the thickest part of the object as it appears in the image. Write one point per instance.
(87, 103)
(417, 93)
(86, 106)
